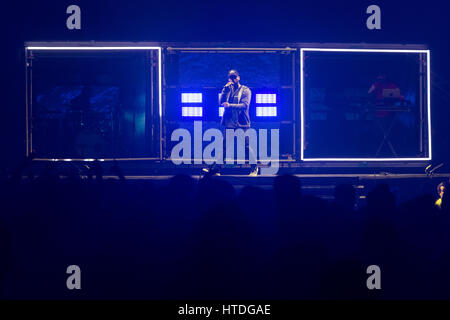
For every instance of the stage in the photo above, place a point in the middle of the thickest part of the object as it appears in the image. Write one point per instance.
(325, 128)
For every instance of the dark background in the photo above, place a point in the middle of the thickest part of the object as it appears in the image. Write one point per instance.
(207, 70)
(403, 22)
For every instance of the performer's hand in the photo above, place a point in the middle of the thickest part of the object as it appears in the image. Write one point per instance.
(225, 104)
(228, 85)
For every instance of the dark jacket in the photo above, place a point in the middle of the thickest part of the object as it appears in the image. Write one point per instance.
(236, 115)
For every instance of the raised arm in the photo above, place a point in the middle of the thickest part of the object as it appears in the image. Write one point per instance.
(223, 95)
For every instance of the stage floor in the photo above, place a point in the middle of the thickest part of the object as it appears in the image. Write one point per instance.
(406, 180)
(301, 176)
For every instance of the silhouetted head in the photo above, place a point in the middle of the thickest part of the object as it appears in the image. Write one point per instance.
(214, 192)
(345, 196)
(381, 200)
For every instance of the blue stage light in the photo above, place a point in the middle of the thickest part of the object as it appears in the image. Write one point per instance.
(191, 98)
(266, 98)
(192, 111)
(266, 111)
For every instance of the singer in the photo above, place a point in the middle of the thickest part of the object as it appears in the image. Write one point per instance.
(235, 98)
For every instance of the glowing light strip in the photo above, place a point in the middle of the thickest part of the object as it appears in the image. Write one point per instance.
(160, 84)
(191, 111)
(302, 131)
(118, 48)
(88, 160)
(231, 49)
(93, 48)
(69, 160)
(302, 117)
(269, 98)
(429, 102)
(366, 50)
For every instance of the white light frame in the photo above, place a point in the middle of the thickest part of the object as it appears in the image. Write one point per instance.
(99, 48)
(302, 134)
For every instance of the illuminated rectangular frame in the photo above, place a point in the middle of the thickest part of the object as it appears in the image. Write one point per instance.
(271, 97)
(68, 48)
(302, 50)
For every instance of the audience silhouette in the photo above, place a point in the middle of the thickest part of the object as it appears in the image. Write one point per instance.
(192, 239)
